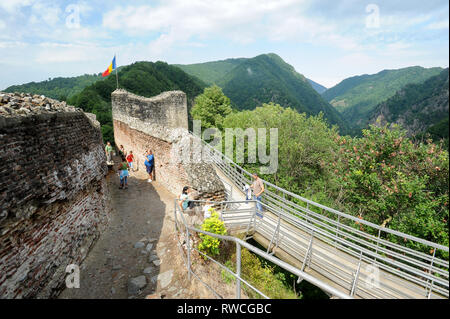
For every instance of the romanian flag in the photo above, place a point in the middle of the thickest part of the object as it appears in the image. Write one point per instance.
(111, 67)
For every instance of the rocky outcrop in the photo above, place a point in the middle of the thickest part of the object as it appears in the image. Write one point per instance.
(23, 104)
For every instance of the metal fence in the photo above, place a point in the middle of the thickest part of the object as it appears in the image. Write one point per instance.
(182, 226)
(398, 255)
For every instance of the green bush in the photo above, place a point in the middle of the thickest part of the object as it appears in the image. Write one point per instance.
(210, 245)
(263, 278)
(226, 276)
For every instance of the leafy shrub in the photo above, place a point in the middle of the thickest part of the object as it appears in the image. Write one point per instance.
(226, 276)
(263, 278)
(387, 179)
(210, 245)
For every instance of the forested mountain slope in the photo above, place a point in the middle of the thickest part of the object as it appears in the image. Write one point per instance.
(59, 88)
(418, 107)
(142, 78)
(267, 78)
(357, 96)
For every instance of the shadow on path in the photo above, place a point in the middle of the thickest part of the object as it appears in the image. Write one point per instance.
(127, 247)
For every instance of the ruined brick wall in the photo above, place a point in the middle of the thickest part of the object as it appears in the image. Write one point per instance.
(160, 123)
(53, 196)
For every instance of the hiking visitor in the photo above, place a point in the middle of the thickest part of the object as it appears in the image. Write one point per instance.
(258, 189)
(149, 164)
(108, 151)
(130, 159)
(122, 152)
(123, 174)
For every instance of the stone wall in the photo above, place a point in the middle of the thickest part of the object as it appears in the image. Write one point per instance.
(53, 195)
(160, 123)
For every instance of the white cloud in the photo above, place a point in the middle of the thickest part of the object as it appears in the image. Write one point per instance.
(438, 25)
(45, 14)
(326, 39)
(11, 6)
(178, 20)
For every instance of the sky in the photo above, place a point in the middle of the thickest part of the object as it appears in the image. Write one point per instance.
(327, 41)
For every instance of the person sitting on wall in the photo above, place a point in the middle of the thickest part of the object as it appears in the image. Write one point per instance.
(149, 164)
(184, 201)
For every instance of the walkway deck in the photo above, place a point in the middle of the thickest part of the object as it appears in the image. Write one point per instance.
(310, 248)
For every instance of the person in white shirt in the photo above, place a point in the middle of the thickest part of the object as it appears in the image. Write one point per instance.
(248, 192)
(207, 210)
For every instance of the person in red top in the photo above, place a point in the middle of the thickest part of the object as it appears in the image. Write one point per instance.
(130, 160)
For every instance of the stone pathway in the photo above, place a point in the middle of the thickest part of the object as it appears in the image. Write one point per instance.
(137, 256)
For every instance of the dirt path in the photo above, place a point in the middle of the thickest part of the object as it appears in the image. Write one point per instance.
(138, 254)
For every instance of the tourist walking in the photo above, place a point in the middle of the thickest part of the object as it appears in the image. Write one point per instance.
(130, 160)
(149, 164)
(123, 174)
(258, 189)
(108, 151)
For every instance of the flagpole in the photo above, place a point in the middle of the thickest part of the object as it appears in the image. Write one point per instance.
(117, 77)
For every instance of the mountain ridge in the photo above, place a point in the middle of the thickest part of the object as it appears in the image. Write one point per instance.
(206, 72)
(418, 107)
(250, 82)
(357, 96)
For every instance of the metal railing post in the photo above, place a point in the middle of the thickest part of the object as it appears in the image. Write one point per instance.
(355, 280)
(254, 215)
(188, 248)
(378, 242)
(238, 271)
(175, 215)
(277, 229)
(337, 230)
(429, 271)
(307, 258)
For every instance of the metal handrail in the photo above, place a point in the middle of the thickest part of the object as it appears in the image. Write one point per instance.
(331, 210)
(240, 243)
(238, 175)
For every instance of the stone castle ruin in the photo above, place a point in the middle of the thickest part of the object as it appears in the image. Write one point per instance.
(54, 199)
(53, 195)
(160, 124)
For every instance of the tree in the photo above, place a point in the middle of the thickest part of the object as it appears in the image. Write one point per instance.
(305, 145)
(211, 107)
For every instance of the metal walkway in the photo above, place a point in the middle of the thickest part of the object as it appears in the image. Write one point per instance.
(339, 251)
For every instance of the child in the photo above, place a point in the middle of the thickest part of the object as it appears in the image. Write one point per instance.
(248, 192)
(130, 159)
(207, 210)
(123, 174)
